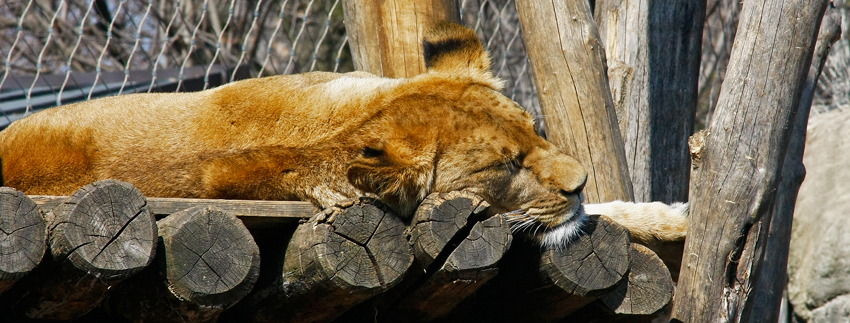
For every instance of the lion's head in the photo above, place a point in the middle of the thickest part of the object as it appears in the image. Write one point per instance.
(451, 129)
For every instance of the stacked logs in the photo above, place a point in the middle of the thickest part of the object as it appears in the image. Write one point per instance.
(101, 254)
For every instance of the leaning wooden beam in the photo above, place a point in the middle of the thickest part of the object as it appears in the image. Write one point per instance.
(338, 259)
(208, 262)
(733, 186)
(23, 236)
(255, 214)
(568, 62)
(103, 234)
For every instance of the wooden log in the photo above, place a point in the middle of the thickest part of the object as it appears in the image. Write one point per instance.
(208, 261)
(23, 236)
(338, 259)
(537, 285)
(648, 289)
(103, 234)
(734, 185)
(255, 214)
(386, 36)
(568, 63)
(459, 249)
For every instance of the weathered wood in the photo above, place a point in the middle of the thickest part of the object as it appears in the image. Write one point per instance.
(653, 53)
(386, 36)
(208, 261)
(103, 234)
(734, 185)
(648, 288)
(23, 236)
(537, 285)
(568, 62)
(255, 214)
(458, 247)
(775, 256)
(340, 258)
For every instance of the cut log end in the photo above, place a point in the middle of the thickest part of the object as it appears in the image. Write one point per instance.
(211, 258)
(106, 229)
(23, 236)
(592, 264)
(649, 286)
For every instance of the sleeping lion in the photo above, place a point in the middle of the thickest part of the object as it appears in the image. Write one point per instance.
(327, 137)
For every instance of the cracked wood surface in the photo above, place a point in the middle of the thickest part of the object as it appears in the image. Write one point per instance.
(338, 259)
(101, 235)
(23, 236)
(209, 262)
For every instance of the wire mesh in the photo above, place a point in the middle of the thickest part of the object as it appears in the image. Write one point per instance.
(63, 51)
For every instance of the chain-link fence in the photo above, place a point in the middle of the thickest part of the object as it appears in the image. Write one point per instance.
(63, 51)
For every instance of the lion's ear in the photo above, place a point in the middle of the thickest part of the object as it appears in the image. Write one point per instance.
(452, 48)
(399, 172)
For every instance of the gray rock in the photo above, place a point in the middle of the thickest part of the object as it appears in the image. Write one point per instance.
(819, 258)
(834, 311)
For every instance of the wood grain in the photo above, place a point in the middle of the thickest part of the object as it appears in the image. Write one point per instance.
(733, 187)
(23, 236)
(255, 214)
(208, 261)
(386, 36)
(568, 63)
(653, 53)
(103, 234)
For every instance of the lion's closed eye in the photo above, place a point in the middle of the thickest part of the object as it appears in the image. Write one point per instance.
(370, 152)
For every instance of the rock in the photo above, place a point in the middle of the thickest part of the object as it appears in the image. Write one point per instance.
(819, 256)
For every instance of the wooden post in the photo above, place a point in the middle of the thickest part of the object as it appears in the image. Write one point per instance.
(775, 256)
(23, 236)
(386, 36)
(568, 62)
(103, 234)
(208, 261)
(653, 52)
(733, 185)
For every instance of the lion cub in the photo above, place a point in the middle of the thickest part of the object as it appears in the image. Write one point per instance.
(325, 137)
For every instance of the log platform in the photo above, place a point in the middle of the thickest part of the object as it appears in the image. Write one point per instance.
(102, 252)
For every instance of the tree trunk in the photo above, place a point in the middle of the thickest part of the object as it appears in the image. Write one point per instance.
(568, 63)
(768, 293)
(208, 261)
(653, 51)
(386, 36)
(23, 236)
(734, 185)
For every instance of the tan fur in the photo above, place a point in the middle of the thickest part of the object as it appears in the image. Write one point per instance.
(319, 137)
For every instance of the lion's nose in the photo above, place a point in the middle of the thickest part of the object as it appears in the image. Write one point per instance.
(577, 189)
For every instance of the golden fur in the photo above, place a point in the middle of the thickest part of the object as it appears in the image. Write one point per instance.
(319, 137)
